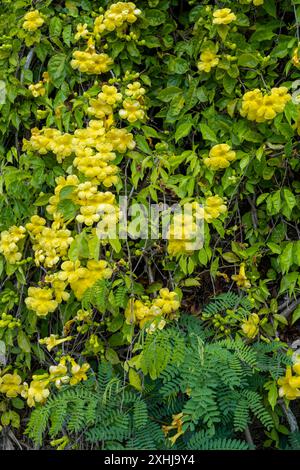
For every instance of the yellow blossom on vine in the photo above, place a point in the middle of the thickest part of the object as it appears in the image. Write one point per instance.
(214, 206)
(9, 240)
(260, 108)
(110, 94)
(289, 386)
(78, 372)
(131, 111)
(135, 90)
(11, 385)
(223, 16)
(38, 390)
(37, 89)
(175, 425)
(241, 278)
(52, 341)
(82, 31)
(115, 16)
(33, 20)
(220, 157)
(168, 302)
(251, 326)
(91, 62)
(208, 60)
(41, 301)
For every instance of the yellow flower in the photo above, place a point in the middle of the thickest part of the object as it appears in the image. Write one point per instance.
(176, 424)
(223, 16)
(40, 301)
(250, 326)
(289, 385)
(241, 278)
(11, 385)
(38, 390)
(110, 95)
(260, 108)
(37, 89)
(33, 20)
(52, 341)
(91, 62)
(78, 373)
(213, 208)
(131, 110)
(208, 60)
(220, 157)
(9, 240)
(167, 302)
(82, 31)
(135, 90)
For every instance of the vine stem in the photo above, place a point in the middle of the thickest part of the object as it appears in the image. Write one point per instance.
(248, 437)
(291, 418)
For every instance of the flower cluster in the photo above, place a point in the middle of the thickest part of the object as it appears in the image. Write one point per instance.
(49, 243)
(93, 146)
(208, 60)
(214, 206)
(41, 301)
(38, 89)
(251, 326)
(144, 312)
(11, 385)
(9, 240)
(223, 16)
(115, 17)
(33, 20)
(289, 386)
(81, 278)
(183, 232)
(260, 108)
(66, 372)
(220, 157)
(89, 61)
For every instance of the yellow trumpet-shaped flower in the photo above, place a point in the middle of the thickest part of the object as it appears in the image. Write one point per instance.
(251, 325)
(223, 16)
(52, 341)
(241, 278)
(11, 385)
(208, 60)
(289, 385)
(33, 20)
(177, 424)
(220, 157)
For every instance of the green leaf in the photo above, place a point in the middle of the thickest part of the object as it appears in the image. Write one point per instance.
(167, 94)
(183, 130)
(23, 341)
(247, 60)
(154, 17)
(208, 133)
(79, 247)
(296, 314)
(230, 257)
(55, 27)
(57, 69)
(178, 65)
(286, 258)
(135, 380)
(67, 208)
(270, 7)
